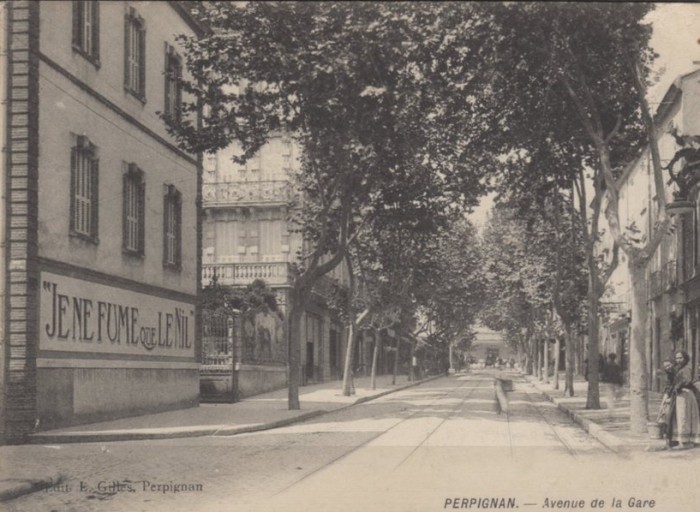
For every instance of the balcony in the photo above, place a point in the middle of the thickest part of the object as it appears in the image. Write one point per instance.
(671, 275)
(656, 286)
(324, 286)
(232, 193)
(664, 280)
(274, 274)
(242, 274)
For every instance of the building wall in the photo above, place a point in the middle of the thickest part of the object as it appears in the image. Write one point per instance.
(97, 333)
(668, 295)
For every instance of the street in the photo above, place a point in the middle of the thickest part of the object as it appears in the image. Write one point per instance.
(431, 447)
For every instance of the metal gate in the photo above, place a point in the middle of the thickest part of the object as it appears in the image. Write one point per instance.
(219, 369)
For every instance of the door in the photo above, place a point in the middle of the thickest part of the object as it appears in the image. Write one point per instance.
(309, 360)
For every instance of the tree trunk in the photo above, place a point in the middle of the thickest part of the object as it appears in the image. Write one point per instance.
(347, 371)
(396, 361)
(375, 357)
(557, 352)
(569, 356)
(593, 398)
(296, 310)
(639, 391)
(411, 368)
(545, 356)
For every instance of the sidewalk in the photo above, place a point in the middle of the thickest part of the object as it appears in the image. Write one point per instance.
(610, 428)
(261, 412)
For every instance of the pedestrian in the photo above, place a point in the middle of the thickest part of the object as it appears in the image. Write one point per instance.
(663, 418)
(612, 379)
(684, 424)
(601, 364)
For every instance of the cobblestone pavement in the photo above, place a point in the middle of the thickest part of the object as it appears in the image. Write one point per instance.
(411, 450)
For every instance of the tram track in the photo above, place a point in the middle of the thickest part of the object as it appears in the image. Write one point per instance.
(383, 432)
(447, 417)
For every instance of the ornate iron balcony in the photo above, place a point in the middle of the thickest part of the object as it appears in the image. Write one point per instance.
(247, 193)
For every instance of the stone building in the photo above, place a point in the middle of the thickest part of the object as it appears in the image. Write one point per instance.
(673, 280)
(101, 265)
(247, 236)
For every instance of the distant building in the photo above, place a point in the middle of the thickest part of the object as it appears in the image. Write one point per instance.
(247, 236)
(101, 235)
(488, 344)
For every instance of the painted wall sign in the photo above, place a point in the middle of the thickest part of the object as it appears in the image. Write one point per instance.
(81, 316)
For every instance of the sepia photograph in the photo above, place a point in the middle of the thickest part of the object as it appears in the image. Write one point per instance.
(349, 256)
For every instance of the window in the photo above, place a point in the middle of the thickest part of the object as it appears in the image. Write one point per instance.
(84, 190)
(173, 92)
(133, 216)
(135, 54)
(86, 29)
(172, 221)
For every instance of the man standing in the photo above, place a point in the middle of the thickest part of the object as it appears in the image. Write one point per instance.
(612, 379)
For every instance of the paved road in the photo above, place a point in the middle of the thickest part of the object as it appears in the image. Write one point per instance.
(425, 448)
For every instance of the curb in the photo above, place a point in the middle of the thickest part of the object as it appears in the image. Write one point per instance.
(19, 487)
(96, 437)
(610, 441)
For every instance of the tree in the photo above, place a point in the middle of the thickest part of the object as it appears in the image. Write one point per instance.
(533, 189)
(578, 76)
(363, 91)
(256, 296)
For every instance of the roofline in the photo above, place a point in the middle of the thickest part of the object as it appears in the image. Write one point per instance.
(668, 103)
(184, 13)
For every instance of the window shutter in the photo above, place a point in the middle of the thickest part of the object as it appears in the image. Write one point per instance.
(166, 200)
(127, 49)
(142, 60)
(142, 216)
(178, 90)
(73, 164)
(178, 230)
(77, 19)
(95, 199)
(166, 81)
(96, 30)
(125, 209)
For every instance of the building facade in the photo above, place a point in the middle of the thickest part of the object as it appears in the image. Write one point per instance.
(247, 236)
(101, 226)
(673, 278)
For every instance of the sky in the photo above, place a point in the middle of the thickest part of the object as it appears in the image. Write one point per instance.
(676, 39)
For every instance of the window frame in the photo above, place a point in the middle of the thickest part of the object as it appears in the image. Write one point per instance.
(172, 218)
(88, 50)
(135, 24)
(85, 152)
(172, 74)
(134, 177)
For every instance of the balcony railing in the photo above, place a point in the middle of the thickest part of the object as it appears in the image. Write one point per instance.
(274, 274)
(247, 193)
(241, 274)
(323, 286)
(656, 284)
(671, 275)
(665, 279)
